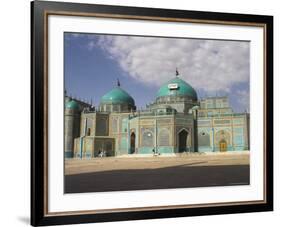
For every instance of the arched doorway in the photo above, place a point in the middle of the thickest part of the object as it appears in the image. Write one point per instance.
(223, 140)
(183, 140)
(223, 145)
(133, 143)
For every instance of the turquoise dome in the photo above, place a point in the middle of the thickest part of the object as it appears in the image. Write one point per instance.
(117, 96)
(72, 105)
(177, 87)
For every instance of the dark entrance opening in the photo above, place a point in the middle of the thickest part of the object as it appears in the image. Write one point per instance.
(183, 141)
(133, 143)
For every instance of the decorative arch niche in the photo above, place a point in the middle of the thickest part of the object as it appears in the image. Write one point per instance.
(164, 137)
(183, 143)
(147, 138)
(222, 135)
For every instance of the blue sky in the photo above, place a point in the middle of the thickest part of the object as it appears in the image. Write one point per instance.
(94, 62)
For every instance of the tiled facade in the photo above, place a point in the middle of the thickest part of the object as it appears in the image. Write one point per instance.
(172, 124)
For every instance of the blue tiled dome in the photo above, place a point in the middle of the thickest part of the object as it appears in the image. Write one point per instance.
(181, 88)
(117, 96)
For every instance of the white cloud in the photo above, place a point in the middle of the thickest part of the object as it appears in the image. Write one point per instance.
(206, 64)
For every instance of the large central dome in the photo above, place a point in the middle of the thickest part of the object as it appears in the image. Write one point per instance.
(177, 87)
(117, 96)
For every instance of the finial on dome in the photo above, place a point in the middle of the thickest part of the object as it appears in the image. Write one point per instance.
(177, 72)
(118, 82)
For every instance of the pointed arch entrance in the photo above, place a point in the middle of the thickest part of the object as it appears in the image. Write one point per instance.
(133, 143)
(182, 139)
(223, 145)
(223, 139)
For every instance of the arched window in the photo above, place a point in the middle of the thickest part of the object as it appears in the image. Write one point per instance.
(147, 138)
(164, 137)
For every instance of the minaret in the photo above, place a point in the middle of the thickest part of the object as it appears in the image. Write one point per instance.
(71, 126)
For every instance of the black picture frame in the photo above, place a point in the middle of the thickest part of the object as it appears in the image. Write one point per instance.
(39, 111)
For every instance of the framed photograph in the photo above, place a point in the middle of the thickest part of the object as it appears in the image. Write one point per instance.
(141, 113)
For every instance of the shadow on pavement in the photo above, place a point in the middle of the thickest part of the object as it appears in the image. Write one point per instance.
(183, 176)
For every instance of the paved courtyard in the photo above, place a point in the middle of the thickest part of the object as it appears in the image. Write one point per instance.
(140, 173)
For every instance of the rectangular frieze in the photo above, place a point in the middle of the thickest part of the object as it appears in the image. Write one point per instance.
(164, 121)
(221, 122)
(147, 122)
(204, 123)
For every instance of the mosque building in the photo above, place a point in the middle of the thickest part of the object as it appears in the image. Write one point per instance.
(176, 122)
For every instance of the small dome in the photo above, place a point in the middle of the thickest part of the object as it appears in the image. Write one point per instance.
(72, 104)
(117, 96)
(177, 87)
